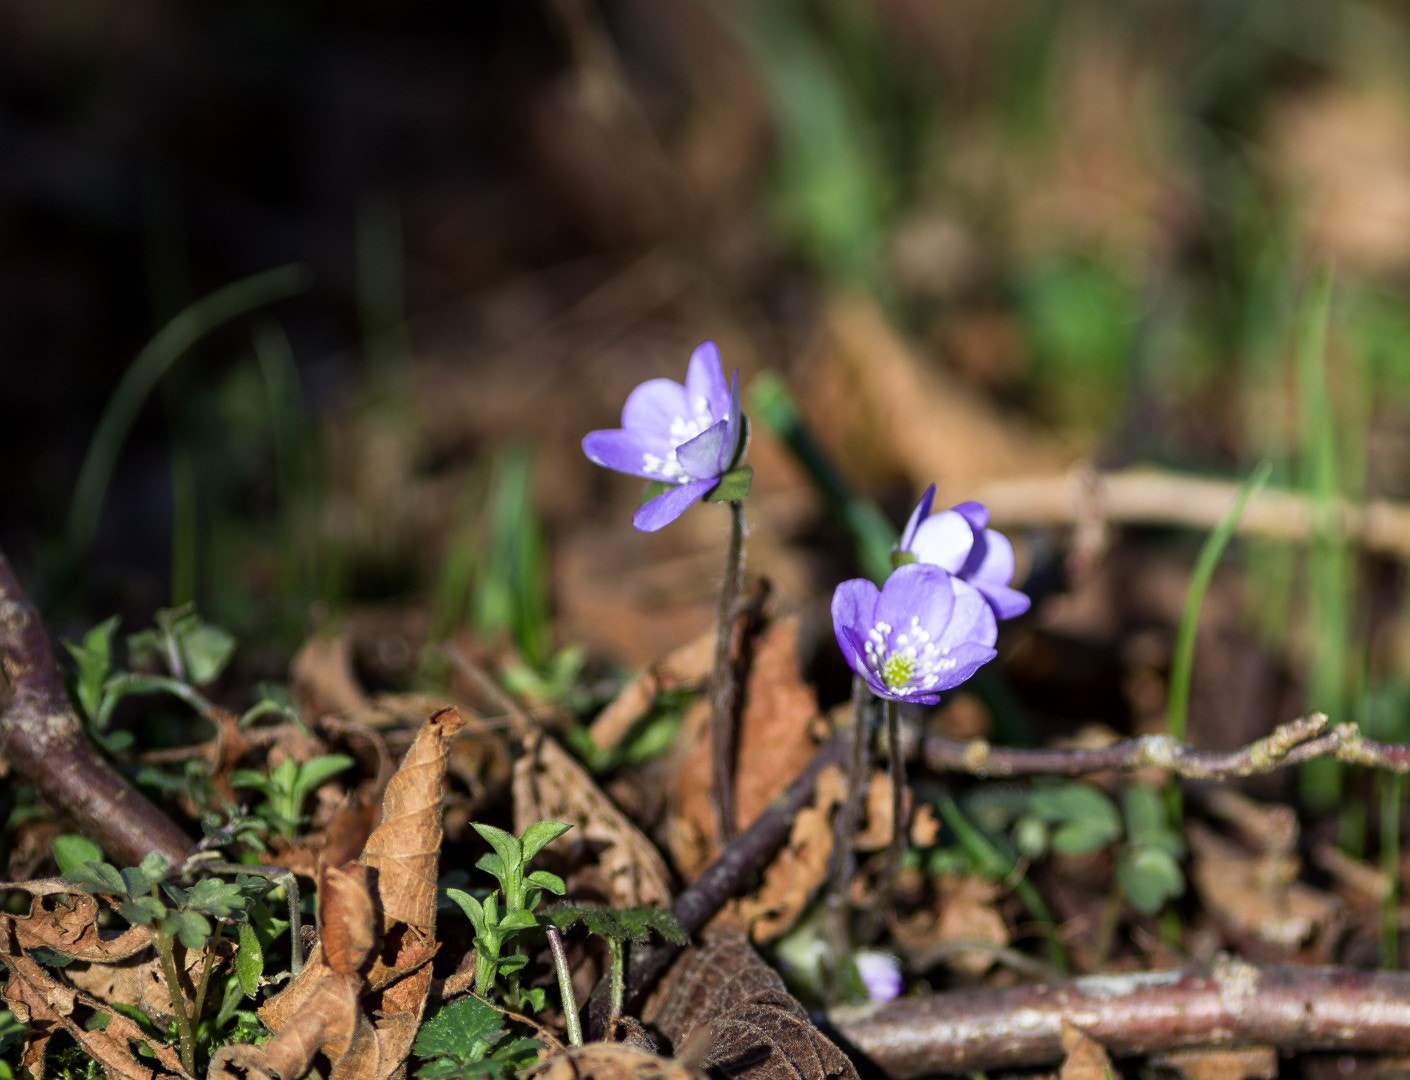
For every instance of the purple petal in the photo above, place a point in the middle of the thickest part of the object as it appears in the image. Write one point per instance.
(976, 513)
(917, 591)
(945, 539)
(854, 652)
(700, 456)
(652, 407)
(853, 607)
(1005, 601)
(968, 658)
(623, 451)
(971, 622)
(705, 381)
(991, 561)
(670, 504)
(919, 514)
(731, 451)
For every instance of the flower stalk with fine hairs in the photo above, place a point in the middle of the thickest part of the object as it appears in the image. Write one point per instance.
(688, 439)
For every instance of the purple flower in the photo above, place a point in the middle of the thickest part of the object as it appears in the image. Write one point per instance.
(880, 973)
(685, 436)
(959, 540)
(921, 633)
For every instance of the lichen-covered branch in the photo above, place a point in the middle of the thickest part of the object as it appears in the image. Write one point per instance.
(1299, 740)
(1292, 1008)
(43, 741)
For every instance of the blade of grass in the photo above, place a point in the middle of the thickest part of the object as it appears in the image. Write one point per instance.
(170, 344)
(1182, 662)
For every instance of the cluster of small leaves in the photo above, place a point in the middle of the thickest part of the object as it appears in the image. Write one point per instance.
(10, 1032)
(467, 1038)
(148, 898)
(287, 787)
(178, 657)
(509, 910)
(1072, 818)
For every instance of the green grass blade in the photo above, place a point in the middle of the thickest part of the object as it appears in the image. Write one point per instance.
(183, 331)
(1182, 663)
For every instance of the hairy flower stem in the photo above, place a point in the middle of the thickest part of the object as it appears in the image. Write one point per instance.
(845, 830)
(899, 826)
(184, 1026)
(722, 720)
(565, 985)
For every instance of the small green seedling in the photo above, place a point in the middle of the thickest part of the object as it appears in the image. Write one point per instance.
(1149, 867)
(520, 894)
(287, 786)
(466, 1039)
(192, 917)
(619, 927)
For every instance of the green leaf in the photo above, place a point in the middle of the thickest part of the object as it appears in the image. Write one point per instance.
(94, 876)
(1150, 878)
(1083, 837)
(1074, 802)
(733, 486)
(1146, 819)
(548, 882)
(206, 650)
(135, 882)
(248, 778)
(153, 868)
(511, 964)
(534, 998)
(72, 851)
(216, 897)
(453, 1029)
(518, 920)
(142, 910)
(472, 908)
(249, 960)
(94, 659)
(493, 865)
(505, 846)
(316, 772)
(191, 928)
(539, 835)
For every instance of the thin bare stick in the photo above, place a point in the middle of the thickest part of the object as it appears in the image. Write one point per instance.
(1303, 739)
(1149, 496)
(1292, 1008)
(42, 738)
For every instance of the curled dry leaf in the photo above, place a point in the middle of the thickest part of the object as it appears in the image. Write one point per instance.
(965, 912)
(775, 743)
(728, 1012)
(550, 786)
(68, 923)
(361, 994)
(137, 980)
(46, 1005)
(611, 1061)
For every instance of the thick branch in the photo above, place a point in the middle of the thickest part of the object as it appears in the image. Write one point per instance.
(43, 740)
(1292, 1008)
(1149, 496)
(1292, 743)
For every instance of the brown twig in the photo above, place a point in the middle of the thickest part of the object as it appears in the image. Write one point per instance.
(1293, 743)
(1149, 496)
(1292, 1008)
(43, 740)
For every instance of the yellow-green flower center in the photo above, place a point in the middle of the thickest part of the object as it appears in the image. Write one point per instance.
(897, 670)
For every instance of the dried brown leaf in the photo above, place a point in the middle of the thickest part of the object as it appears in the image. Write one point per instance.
(68, 924)
(611, 1061)
(550, 786)
(688, 665)
(1224, 1063)
(348, 928)
(405, 848)
(775, 742)
(728, 1012)
(46, 1004)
